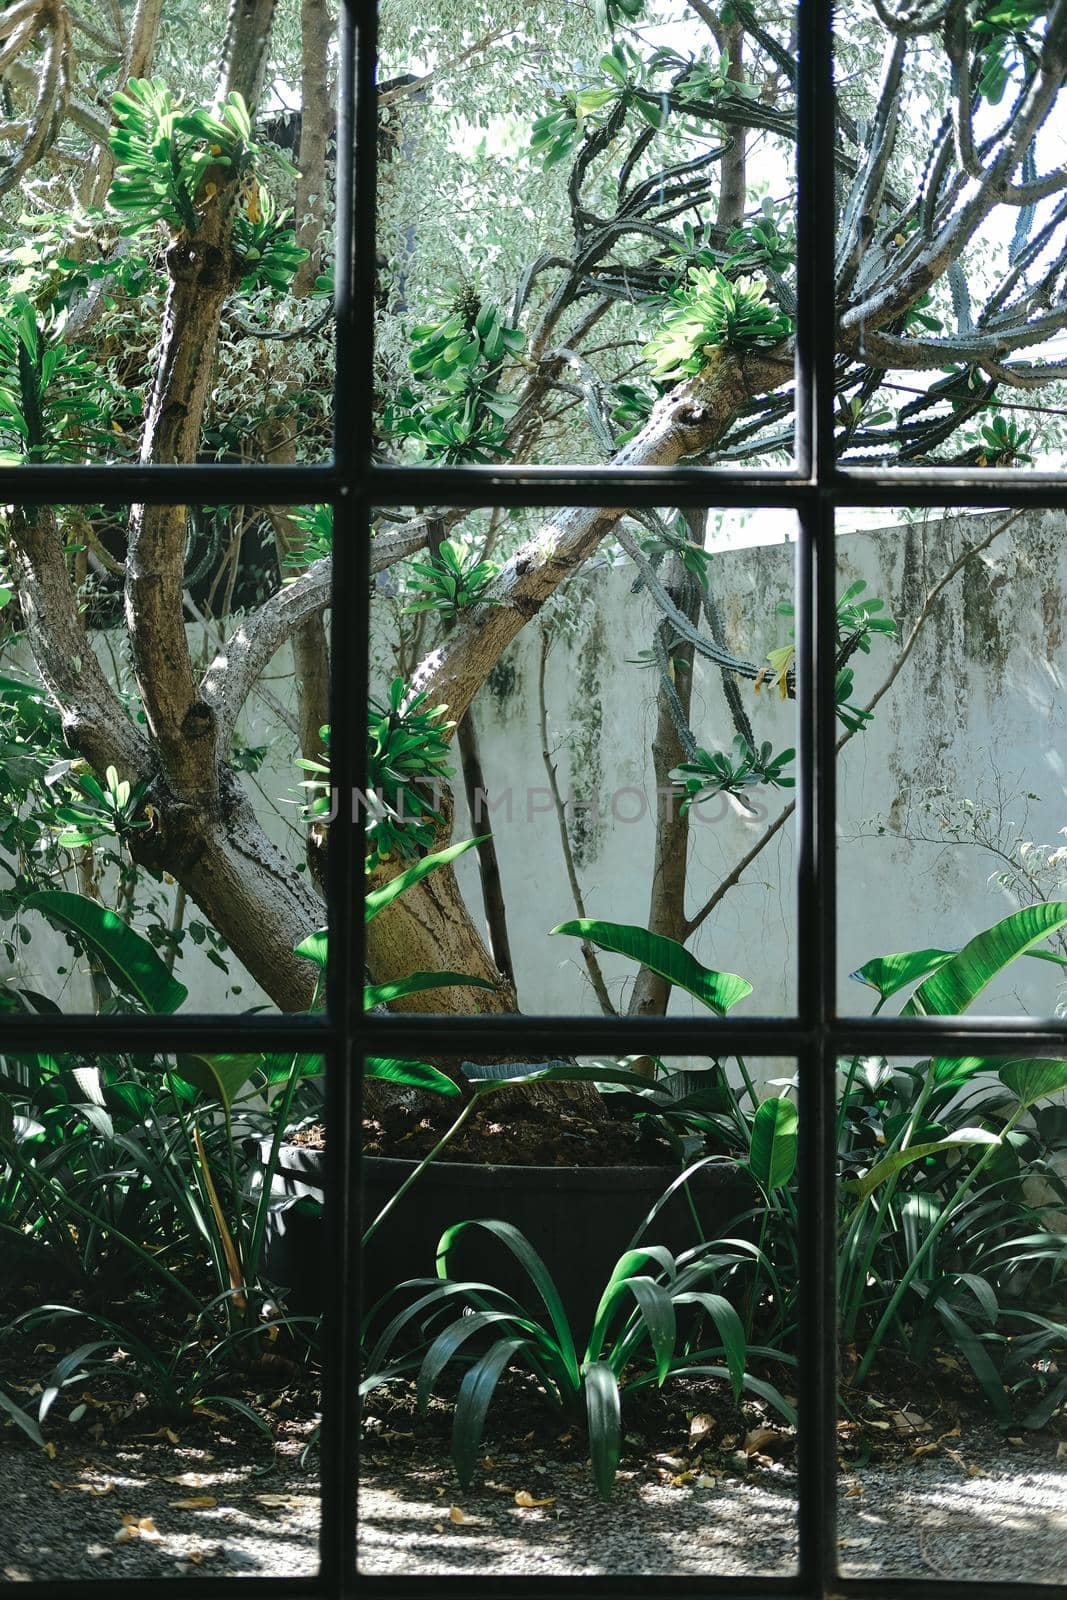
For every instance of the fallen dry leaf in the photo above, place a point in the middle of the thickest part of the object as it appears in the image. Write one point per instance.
(910, 1422)
(137, 1528)
(280, 1502)
(766, 1442)
(923, 1450)
(16, 1575)
(457, 1514)
(187, 1480)
(1061, 1450)
(524, 1498)
(700, 1427)
(198, 1502)
(854, 1491)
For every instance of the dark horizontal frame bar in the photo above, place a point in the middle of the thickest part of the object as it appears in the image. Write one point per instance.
(577, 1588)
(551, 1036)
(527, 486)
(172, 483)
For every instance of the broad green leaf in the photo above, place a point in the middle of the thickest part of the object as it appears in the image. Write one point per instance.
(955, 984)
(316, 947)
(222, 1076)
(127, 957)
(1033, 1080)
(380, 994)
(666, 957)
(378, 899)
(772, 1155)
(888, 974)
(475, 1394)
(412, 1074)
(899, 1159)
(604, 1417)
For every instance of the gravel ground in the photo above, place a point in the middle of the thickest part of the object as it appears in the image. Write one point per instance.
(154, 1510)
(157, 1509)
(971, 1512)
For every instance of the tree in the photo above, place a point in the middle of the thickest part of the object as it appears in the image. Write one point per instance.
(666, 115)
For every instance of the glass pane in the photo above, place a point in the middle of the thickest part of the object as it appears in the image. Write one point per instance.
(950, 805)
(161, 845)
(953, 1344)
(627, 757)
(951, 235)
(159, 1379)
(580, 210)
(161, 238)
(700, 1477)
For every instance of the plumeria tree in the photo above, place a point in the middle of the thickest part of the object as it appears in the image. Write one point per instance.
(587, 252)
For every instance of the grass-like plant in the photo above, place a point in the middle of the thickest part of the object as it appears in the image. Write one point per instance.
(658, 1317)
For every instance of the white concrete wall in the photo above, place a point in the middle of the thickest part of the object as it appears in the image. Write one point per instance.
(979, 702)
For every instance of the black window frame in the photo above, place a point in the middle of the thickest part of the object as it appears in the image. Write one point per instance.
(816, 1035)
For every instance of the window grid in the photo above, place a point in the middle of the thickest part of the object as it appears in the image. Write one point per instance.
(355, 484)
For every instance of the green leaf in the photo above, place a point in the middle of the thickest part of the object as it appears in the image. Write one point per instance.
(952, 988)
(1033, 1080)
(412, 1074)
(473, 1401)
(656, 1313)
(128, 959)
(604, 1416)
(380, 994)
(888, 974)
(22, 1419)
(223, 1076)
(974, 1352)
(899, 1159)
(378, 899)
(451, 1340)
(730, 1329)
(536, 1271)
(772, 1154)
(316, 947)
(666, 957)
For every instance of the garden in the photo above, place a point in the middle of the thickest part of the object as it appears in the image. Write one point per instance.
(574, 801)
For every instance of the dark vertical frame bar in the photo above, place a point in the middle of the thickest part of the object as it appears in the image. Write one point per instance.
(815, 637)
(347, 656)
(355, 450)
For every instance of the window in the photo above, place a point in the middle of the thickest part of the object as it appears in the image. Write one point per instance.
(356, 483)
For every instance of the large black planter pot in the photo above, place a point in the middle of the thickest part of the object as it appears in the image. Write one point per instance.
(578, 1219)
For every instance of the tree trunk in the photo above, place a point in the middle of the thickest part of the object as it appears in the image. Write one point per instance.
(666, 907)
(244, 886)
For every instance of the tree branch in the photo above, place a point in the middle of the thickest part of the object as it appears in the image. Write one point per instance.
(246, 654)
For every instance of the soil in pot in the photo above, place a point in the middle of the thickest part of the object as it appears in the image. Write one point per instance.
(578, 1191)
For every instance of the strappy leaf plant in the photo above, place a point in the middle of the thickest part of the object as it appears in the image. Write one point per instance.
(646, 1329)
